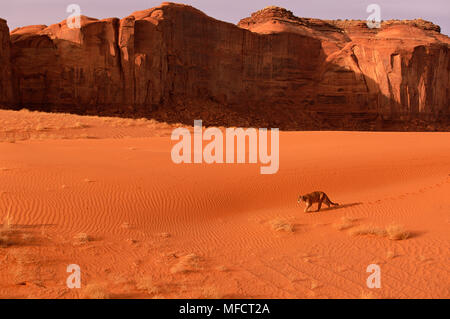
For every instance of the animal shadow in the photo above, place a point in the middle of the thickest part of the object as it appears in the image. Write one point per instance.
(339, 207)
(414, 234)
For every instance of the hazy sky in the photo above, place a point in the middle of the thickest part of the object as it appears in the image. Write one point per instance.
(26, 12)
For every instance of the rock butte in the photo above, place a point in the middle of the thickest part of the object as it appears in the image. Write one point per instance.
(176, 64)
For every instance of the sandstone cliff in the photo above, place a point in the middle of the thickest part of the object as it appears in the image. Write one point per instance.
(175, 63)
(400, 70)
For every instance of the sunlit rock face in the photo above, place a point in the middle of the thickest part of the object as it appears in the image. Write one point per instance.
(402, 67)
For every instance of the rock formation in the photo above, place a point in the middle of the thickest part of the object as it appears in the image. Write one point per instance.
(175, 63)
(399, 71)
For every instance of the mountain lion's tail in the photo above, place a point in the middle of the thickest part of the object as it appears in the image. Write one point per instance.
(328, 200)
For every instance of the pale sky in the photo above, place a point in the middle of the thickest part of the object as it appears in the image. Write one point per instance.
(27, 12)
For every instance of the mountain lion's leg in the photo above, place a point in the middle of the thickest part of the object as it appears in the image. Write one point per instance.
(320, 205)
(308, 205)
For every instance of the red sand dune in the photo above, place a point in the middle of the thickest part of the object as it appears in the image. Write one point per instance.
(156, 229)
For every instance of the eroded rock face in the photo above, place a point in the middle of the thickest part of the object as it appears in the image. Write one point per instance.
(399, 70)
(175, 63)
(75, 70)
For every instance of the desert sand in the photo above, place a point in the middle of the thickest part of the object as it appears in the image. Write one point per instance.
(103, 193)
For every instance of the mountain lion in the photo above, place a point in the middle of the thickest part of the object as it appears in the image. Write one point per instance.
(315, 197)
